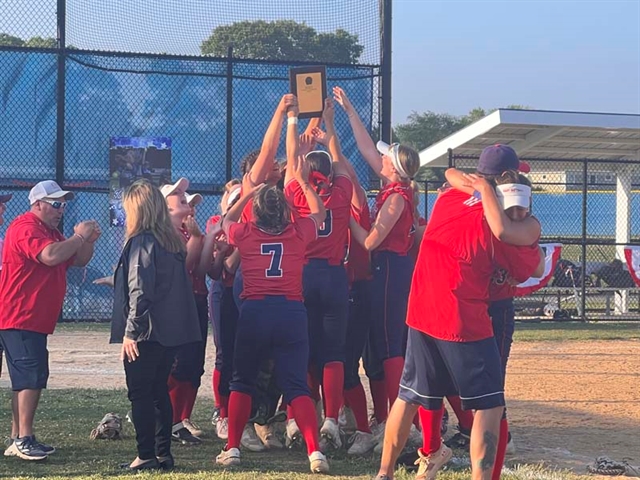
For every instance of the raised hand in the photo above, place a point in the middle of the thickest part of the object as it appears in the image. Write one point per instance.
(328, 114)
(320, 136)
(85, 229)
(286, 102)
(301, 170)
(476, 182)
(340, 96)
(96, 233)
(307, 143)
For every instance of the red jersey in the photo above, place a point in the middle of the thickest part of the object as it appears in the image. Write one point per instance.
(450, 286)
(400, 238)
(199, 282)
(512, 261)
(227, 278)
(31, 293)
(272, 264)
(333, 233)
(358, 259)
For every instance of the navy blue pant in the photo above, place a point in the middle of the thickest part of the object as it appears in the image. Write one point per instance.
(238, 286)
(357, 331)
(272, 328)
(502, 315)
(189, 361)
(389, 295)
(215, 308)
(228, 331)
(326, 297)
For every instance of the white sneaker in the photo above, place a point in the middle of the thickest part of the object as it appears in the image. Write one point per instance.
(267, 436)
(361, 443)
(415, 438)
(330, 435)
(346, 420)
(11, 450)
(293, 435)
(250, 439)
(318, 463)
(428, 465)
(222, 428)
(192, 427)
(511, 447)
(229, 458)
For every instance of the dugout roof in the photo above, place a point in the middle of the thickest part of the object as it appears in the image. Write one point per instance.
(544, 134)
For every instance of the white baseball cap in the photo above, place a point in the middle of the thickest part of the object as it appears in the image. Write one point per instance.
(392, 151)
(48, 189)
(194, 199)
(234, 194)
(168, 189)
(514, 195)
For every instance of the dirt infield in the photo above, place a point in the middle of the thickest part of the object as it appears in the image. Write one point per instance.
(568, 401)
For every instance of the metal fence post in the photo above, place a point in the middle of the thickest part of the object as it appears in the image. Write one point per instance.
(60, 90)
(229, 111)
(385, 71)
(583, 240)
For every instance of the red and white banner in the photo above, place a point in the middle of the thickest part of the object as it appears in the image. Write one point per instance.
(552, 255)
(632, 254)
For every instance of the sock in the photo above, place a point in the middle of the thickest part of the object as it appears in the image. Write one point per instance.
(224, 406)
(239, 413)
(502, 449)
(333, 386)
(190, 401)
(304, 414)
(290, 413)
(465, 417)
(380, 400)
(392, 375)
(177, 396)
(356, 399)
(314, 386)
(216, 388)
(431, 421)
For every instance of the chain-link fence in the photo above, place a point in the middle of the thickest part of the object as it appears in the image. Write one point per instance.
(586, 205)
(206, 75)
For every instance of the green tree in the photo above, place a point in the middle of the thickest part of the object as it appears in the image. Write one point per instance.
(285, 40)
(7, 40)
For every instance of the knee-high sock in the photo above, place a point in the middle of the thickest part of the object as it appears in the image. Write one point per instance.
(332, 387)
(465, 417)
(431, 421)
(392, 375)
(239, 413)
(502, 449)
(380, 400)
(304, 414)
(357, 401)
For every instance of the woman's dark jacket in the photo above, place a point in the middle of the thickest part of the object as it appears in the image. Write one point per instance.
(153, 296)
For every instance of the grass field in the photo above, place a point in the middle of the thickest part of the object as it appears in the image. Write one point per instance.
(66, 416)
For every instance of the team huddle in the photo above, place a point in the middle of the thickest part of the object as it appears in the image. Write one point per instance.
(307, 281)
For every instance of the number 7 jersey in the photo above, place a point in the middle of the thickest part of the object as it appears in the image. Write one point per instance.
(272, 263)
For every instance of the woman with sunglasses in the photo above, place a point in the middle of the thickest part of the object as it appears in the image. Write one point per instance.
(389, 240)
(273, 320)
(326, 287)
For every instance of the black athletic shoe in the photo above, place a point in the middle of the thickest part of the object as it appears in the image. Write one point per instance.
(28, 449)
(184, 436)
(460, 440)
(48, 449)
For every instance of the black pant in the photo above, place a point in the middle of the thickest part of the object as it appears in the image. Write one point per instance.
(190, 358)
(149, 396)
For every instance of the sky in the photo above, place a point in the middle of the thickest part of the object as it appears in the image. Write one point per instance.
(449, 56)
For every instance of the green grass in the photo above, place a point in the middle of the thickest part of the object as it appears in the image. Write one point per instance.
(65, 419)
(555, 331)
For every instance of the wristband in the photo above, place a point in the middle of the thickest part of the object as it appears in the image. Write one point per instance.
(80, 237)
(292, 121)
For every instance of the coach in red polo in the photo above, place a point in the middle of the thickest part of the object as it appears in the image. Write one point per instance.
(35, 260)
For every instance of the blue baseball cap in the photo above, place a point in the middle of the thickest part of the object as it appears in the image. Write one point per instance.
(496, 159)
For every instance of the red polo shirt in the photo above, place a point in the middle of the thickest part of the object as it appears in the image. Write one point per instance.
(31, 293)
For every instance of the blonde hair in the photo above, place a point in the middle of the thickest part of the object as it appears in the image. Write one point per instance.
(146, 210)
(271, 210)
(410, 161)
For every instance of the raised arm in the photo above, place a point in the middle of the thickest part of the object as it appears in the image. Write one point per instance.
(456, 180)
(59, 252)
(363, 139)
(300, 172)
(234, 213)
(523, 233)
(387, 218)
(264, 163)
(292, 140)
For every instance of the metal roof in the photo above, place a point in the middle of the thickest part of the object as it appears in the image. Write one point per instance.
(544, 134)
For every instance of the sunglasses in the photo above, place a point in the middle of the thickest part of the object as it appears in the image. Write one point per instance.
(55, 203)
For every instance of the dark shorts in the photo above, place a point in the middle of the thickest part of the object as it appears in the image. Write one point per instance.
(434, 369)
(502, 316)
(27, 359)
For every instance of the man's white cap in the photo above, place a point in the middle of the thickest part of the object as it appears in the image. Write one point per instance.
(48, 189)
(194, 199)
(514, 195)
(234, 194)
(392, 151)
(168, 189)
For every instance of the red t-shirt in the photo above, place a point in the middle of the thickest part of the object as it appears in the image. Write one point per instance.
(358, 259)
(512, 261)
(199, 283)
(400, 238)
(333, 233)
(31, 293)
(272, 264)
(450, 287)
(227, 278)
